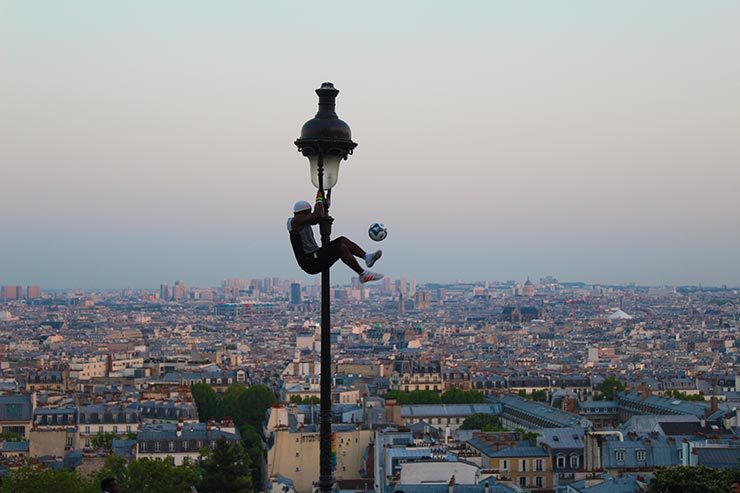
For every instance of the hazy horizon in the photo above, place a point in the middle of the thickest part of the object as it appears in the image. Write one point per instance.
(148, 141)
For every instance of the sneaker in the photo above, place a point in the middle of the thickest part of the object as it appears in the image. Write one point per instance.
(371, 258)
(368, 276)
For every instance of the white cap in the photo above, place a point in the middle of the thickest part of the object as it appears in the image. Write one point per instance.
(301, 205)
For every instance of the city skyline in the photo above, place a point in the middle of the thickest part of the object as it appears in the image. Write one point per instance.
(149, 141)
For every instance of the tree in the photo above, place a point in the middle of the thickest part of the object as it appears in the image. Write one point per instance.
(483, 422)
(104, 441)
(226, 469)
(229, 404)
(677, 394)
(253, 446)
(33, 479)
(9, 436)
(458, 396)
(539, 396)
(609, 388)
(206, 401)
(312, 399)
(414, 397)
(527, 435)
(254, 403)
(150, 475)
(693, 480)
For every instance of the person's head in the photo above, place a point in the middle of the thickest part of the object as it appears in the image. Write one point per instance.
(735, 486)
(301, 207)
(109, 485)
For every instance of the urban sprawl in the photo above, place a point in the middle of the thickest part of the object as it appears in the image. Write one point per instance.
(479, 387)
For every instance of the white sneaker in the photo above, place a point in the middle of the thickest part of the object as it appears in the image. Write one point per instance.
(371, 258)
(368, 276)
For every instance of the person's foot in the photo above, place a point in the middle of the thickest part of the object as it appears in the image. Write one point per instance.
(371, 258)
(368, 276)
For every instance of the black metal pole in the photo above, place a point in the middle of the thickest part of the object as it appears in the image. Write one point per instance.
(326, 475)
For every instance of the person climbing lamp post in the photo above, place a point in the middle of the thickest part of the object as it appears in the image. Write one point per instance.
(325, 140)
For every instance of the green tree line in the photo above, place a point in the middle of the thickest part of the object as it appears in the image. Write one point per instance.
(226, 469)
(452, 396)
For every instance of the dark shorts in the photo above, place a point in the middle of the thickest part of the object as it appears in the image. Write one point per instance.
(314, 263)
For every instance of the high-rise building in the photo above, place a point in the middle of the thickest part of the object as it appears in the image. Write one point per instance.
(401, 304)
(33, 292)
(165, 292)
(387, 285)
(179, 291)
(295, 293)
(412, 287)
(11, 293)
(402, 286)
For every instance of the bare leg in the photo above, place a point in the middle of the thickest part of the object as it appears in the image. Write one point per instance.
(348, 258)
(353, 247)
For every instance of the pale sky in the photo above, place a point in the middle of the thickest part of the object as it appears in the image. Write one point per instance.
(145, 141)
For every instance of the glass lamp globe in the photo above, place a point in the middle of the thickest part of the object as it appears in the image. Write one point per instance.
(331, 170)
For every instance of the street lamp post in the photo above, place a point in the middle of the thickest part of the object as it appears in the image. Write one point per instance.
(325, 140)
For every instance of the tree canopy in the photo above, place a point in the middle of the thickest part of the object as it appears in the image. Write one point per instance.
(609, 388)
(30, 479)
(693, 480)
(226, 469)
(483, 422)
(150, 475)
(452, 396)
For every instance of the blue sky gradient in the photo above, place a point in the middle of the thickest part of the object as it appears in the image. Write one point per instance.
(148, 141)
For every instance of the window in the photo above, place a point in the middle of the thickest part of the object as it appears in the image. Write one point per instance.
(574, 461)
(539, 481)
(523, 466)
(87, 429)
(87, 441)
(198, 444)
(560, 461)
(620, 455)
(142, 447)
(680, 454)
(297, 454)
(69, 440)
(523, 481)
(640, 455)
(172, 446)
(538, 465)
(505, 465)
(115, 429)
(128, 429)
(157, 446)
(185, 445)
(100, 429)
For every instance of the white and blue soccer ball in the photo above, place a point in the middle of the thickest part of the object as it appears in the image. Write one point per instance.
(377, 232)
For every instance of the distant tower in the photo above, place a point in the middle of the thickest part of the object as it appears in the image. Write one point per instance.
(180, 291)
(387, 285)
(529, 289)
(33, 292)
(401, 304)
(412, 287)
(164, 292)
(422, 300)
(295, 293)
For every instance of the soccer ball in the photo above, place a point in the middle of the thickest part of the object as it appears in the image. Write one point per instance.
(377, 232)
